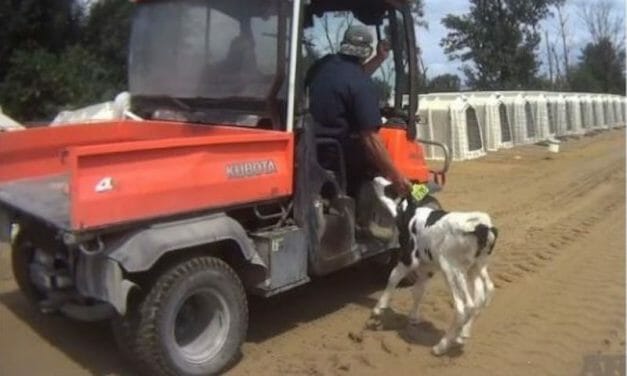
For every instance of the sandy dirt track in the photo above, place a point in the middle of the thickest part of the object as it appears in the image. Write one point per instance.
(559, 307)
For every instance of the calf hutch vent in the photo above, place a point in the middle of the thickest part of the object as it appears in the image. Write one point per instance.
(450, 119)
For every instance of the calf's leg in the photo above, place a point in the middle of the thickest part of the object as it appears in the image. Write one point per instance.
(464, 306)
(477, 288)
(489, 286)
(396, 276)
(418, 290)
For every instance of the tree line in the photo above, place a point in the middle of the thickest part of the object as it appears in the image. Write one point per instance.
(60, 54)
(499, 43)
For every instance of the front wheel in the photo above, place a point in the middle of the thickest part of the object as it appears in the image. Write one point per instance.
(192, 322)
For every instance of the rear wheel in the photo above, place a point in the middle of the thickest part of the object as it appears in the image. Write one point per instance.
(192, 322)
(22, 253)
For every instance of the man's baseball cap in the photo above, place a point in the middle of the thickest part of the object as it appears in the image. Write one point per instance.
(357, 42)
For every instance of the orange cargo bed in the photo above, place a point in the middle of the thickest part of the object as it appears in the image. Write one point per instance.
(91, 176)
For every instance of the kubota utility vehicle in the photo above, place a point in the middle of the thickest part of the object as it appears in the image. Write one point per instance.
(165, 225)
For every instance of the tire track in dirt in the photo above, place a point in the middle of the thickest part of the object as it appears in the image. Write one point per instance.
(541, 245)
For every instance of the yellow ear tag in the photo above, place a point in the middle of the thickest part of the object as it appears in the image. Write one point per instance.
(419, 191)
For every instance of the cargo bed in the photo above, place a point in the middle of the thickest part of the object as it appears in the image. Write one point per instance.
(86, 177)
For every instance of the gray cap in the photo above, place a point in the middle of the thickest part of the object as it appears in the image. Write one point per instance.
(357, 42)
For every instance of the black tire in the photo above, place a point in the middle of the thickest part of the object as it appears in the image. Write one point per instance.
(192, 322)
(22, 252)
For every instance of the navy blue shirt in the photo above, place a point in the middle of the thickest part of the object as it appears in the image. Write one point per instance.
(341, 95)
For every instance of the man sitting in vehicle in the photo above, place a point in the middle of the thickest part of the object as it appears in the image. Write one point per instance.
(342, 96)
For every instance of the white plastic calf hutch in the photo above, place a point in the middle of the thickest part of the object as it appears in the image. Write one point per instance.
(614, 105)
(493, 119)
(619, 114)
(544, 114)
(573, 115)
(450, 119)
(587, 112)
(558, 101)
(598, 113)
(610, 110)
(607, 114)
(522, 118)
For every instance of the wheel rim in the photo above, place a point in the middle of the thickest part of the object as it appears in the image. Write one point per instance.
(201, 325)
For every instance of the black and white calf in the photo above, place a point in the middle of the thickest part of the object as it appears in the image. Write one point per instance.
(456, 243)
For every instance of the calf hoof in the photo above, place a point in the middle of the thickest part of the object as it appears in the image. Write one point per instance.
(461, 340)
(374, 323)
(465, 334)
(439, 349)
(377, 311)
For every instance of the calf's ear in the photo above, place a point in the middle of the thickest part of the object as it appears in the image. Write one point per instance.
(385, 193)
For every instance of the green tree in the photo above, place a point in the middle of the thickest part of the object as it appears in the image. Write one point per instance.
(444, 83)
(497, 40)
(384, 89)
(49, 24)
(58, 54)
(600, 69)
(106, 33)
(40, 83)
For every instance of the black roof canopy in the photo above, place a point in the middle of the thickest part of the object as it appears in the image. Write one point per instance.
(369, 12)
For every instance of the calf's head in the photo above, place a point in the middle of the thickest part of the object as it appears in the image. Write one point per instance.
(387, 196)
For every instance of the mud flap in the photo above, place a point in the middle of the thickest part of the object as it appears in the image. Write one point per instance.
(101, 278)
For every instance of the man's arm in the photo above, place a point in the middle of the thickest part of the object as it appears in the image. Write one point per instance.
(383, 51)
(379, 155)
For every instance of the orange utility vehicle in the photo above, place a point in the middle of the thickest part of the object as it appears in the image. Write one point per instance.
(165, 225)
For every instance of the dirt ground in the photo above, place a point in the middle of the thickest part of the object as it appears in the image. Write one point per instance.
(559, 307)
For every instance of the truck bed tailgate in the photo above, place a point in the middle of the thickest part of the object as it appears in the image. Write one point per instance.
(45, 198)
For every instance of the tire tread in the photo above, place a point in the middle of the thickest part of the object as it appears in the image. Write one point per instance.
(145, 347)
